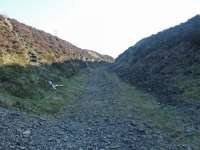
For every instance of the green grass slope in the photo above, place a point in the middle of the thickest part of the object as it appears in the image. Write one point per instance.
(180, 124)
(27, 88)
(30, 58)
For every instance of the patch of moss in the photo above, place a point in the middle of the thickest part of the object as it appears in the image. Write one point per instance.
(190, 87)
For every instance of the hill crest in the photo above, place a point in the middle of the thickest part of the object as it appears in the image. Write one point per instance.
(22, 44)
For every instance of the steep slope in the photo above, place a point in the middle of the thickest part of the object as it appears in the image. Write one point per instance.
(30, 60)
(22, 44)
(167, 64)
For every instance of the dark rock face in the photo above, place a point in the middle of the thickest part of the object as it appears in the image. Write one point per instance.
(167, 63)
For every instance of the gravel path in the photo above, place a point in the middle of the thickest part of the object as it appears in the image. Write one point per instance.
(98, 119)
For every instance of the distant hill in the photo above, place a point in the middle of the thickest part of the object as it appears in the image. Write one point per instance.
(22, 44)
(100, 57)
(166, 64)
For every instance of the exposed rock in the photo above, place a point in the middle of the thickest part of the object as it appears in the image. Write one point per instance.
(27, 133)
(22, 147)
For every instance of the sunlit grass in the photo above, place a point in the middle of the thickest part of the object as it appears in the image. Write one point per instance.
(52, 102)
(27, 88)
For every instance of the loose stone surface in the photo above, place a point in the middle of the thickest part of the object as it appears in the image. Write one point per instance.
(98, 119)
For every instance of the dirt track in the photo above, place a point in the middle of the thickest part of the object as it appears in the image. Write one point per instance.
(101, 117)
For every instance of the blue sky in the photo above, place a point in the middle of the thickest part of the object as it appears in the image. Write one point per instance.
(107, 26)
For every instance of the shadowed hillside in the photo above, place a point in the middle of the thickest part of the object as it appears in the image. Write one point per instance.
(167, 64)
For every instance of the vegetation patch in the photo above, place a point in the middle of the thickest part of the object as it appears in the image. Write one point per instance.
(190, 87)
(180, 124)
(172, 120)
(28, 88)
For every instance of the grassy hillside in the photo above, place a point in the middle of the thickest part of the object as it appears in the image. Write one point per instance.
(166, 64)
(27, 88)
(30, 59)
